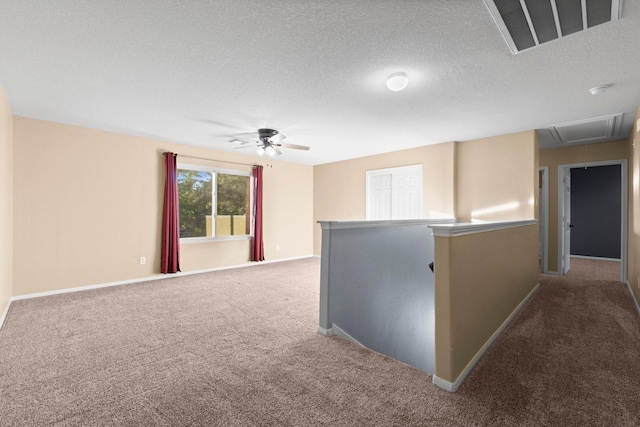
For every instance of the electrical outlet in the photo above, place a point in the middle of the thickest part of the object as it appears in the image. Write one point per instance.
(143, 260)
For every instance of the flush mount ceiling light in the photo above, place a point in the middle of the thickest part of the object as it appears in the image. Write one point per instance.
(397, 81)
(599, 89)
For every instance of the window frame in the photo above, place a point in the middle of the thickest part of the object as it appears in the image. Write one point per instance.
(214, 203)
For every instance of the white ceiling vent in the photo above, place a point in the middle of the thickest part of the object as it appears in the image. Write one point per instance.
(525, 24)
(599, 129)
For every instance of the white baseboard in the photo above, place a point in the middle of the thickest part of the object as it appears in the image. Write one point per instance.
(337, 330)
(148, 279)
(4, 314)
(597, 258)
(633, 296)
(325, 332)
(453, 387)
(446, 385)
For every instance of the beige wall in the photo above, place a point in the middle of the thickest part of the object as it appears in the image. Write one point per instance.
(633, 260)
(497, 178)
(480, 280)
(565, 156)
(339, 189)
(6, 202)
(87, 206)
(460, 179)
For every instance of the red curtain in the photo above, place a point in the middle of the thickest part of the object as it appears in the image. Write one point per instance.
(170, 250)
(257, 245)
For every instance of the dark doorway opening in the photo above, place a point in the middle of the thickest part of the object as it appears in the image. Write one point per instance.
(596, 211)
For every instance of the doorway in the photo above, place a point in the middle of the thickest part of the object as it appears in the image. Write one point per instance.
(565, 215)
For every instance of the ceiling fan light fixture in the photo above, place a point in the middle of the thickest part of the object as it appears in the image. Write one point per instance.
(397, 81)
(271, 152)
(267, 144)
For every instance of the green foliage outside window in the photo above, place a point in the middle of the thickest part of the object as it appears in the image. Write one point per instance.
(232, 194)
(196, 203)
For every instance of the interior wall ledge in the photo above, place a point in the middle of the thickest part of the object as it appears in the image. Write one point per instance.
(335, 225)
(463, 228)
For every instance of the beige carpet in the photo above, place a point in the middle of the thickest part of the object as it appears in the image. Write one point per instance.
(239, 347)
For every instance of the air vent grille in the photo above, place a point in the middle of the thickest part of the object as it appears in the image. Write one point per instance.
(529, 23)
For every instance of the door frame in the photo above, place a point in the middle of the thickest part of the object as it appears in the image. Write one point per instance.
(565, 247)
(544, 221)
(624, 203)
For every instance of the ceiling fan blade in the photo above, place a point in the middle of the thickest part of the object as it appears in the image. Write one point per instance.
(241, 141)
(294, 146)
(255, 134)
(243, 146)
(277, 138)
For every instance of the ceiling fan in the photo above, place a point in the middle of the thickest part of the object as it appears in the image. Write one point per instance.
(268, 143)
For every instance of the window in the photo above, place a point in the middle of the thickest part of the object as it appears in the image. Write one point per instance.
(213, 203)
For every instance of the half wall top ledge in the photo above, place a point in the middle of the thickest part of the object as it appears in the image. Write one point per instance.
(463, 228)
(440, 227)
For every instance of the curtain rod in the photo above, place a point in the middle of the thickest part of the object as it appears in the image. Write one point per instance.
(216, 160)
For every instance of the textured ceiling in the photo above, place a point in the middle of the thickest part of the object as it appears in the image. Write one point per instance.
(195, 72)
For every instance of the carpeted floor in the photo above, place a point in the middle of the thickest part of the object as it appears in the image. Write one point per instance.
(239, 348)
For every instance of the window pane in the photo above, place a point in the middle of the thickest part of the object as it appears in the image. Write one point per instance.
(195, 199)
(233, 205)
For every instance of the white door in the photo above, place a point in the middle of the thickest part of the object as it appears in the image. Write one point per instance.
(394, 193)
(566, 221)
(380, 197)
(407, 192)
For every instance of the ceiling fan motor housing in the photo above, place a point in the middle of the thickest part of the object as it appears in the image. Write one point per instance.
(266, 134)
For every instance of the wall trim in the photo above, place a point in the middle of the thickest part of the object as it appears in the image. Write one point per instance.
(4, 315)
(342, 334)
(596, 258)
(464, 228)
(337, 225)
(325, 332)
(453, 387)
(148, 279)
(446, 385)
(633, 296)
